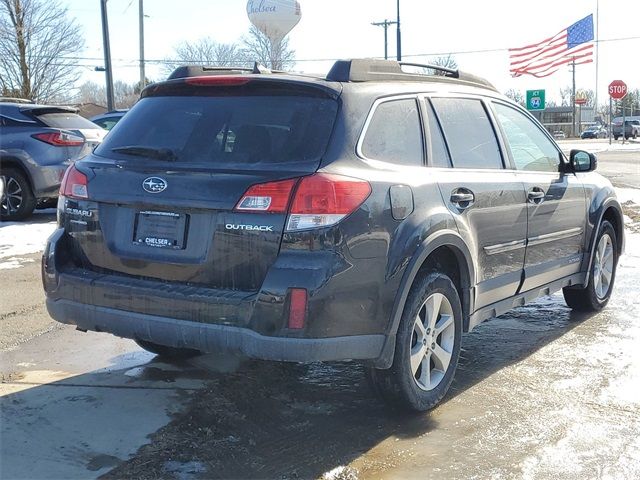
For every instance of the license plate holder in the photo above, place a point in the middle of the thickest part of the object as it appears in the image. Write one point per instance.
(160, 229)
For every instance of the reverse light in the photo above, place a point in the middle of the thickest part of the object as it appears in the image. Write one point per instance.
(322, 200)
(74, 184)
(272, 197)
(297, 308)
(60, 139)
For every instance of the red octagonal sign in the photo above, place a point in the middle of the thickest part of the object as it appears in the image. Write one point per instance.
(617, 89)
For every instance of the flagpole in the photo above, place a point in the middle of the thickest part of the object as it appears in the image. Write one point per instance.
(595, 106)
(573, 98)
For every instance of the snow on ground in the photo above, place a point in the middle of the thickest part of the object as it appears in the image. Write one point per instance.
(599, 145)
(23, 238)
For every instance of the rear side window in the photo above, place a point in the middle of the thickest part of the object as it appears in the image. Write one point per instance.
(394, 134)
(469, 134)
(439, 155)
(228, 131)
(65, 120)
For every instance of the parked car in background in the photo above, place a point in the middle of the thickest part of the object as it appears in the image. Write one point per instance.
(372, 215)
(109, 119)
(559, 134)
(38, 143)
(631, 128)
(596, 131)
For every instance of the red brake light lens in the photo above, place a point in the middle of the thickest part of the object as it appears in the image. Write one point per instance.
(215, 80)
(74, 184)
(322, 200)
(272, 197)
(60, 139)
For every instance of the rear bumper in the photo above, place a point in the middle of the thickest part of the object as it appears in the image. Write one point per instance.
(213, 338)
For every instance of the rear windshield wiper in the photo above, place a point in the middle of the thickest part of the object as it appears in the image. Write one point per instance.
(157, 153)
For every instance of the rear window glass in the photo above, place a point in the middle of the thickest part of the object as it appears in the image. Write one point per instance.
(227, 131)
(394, 134)
(65, 120)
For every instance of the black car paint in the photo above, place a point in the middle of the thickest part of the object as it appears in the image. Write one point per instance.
(358, 272)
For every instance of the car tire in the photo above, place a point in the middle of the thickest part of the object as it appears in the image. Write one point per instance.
(164, 351)
(429, 336)
(18, 201)
(595, 296)
(615, 137)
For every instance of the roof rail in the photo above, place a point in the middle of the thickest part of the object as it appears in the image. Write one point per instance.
(375, 70)
(186, 71)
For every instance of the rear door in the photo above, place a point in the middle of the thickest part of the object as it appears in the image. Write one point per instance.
(556, 205)
(487, 200)
(166, 184)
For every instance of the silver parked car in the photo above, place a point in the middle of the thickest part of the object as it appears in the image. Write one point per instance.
(38, 144)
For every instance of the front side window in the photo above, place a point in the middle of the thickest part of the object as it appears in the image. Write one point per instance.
(394, 134)
(530, 147)
(469, 134)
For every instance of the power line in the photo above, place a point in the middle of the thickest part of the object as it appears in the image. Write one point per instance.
(169, 61)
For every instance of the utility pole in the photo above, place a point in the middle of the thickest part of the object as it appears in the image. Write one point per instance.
(573, 98)
(386, 25)
(141, 29)
(107, 54)
(398, 34)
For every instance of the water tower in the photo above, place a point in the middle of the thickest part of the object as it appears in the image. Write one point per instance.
(275, 19)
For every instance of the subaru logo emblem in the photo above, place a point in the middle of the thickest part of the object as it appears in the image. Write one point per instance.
(154, 185)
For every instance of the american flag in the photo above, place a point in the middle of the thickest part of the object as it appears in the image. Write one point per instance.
(544, 58)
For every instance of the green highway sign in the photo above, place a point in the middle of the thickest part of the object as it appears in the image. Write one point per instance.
(535, 100)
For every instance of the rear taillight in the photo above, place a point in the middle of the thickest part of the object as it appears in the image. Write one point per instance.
(74, 184)
(322, 200)
(60, 139)
(272, 197)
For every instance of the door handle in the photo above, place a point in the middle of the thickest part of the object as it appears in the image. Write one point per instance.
(536, 195)
(462, 198)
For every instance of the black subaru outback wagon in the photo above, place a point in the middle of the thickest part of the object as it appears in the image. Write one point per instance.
(371, 215)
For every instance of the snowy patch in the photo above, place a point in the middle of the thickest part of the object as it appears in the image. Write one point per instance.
(596, 147)
(628, 195)
(18, 238)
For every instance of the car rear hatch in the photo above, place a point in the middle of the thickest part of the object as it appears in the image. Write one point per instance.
(193, 184)
(67, 120)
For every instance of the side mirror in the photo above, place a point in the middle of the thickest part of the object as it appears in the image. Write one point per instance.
(582, 161)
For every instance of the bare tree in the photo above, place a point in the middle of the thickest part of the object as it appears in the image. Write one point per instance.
(516, 96)
(36, 37)
(257, 47)
(565, 96)
(125, 94)
(205, 51)
(446, 61)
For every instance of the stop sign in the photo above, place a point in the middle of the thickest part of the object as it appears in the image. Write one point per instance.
(617, 89)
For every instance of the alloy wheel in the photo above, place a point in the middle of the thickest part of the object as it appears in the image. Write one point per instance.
(603, 267)
(432, 341)
(12, 197)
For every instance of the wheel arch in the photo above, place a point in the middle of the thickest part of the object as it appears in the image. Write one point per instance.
(444, 251)
(14, 162)
(611, 212)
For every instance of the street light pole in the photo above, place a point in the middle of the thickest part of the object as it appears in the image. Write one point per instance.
(398, 34)
(107, 54)
(141, 22)
(385, 25)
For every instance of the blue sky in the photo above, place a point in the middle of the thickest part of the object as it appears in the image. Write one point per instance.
(332, 29)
